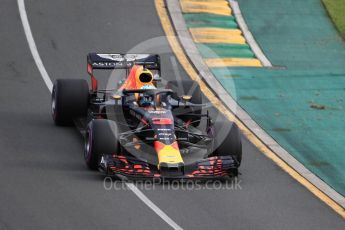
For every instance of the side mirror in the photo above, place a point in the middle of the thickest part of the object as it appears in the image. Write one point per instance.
(186, 98)
(116, 97)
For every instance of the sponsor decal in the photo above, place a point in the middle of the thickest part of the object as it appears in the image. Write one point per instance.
(111, 64)
(163, 129)
(162, 121)
(165, 134)
(122, 58)
(157, 111)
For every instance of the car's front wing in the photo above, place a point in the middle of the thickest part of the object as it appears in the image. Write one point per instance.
(212, 167)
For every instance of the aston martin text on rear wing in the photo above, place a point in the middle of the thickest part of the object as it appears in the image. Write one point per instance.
(122, 61)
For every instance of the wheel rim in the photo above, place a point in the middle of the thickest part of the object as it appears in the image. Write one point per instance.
(87, 147)
(53, 105)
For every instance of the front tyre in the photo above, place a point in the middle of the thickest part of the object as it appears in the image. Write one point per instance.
(227, 140)
(70, 98)
(101, 138)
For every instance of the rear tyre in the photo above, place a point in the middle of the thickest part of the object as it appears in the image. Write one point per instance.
(101, 138)
(228, 140)
(70, 98)
(192, 88)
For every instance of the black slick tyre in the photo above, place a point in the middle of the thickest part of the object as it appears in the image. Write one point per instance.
(101, 138)
(228, 140)
(70, 98)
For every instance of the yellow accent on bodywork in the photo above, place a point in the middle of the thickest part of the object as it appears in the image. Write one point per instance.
(116, 97)
(186, 97)
(170, 155)
(139, 71)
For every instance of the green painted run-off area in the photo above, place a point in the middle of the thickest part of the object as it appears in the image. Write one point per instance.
(301, 104)
(301, 101)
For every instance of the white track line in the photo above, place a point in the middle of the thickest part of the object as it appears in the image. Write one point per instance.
(47, 80)
(32, 45)
(151, 205)
(248, 35)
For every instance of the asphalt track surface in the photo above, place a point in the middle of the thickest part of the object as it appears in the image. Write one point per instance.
(44, 181)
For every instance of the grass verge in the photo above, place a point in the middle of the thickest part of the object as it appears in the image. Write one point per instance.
(336, 10)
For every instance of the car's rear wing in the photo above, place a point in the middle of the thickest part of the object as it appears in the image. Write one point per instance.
(120, 61)
(123, 61)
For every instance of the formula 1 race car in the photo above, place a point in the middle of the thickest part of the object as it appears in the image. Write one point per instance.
(143, 130)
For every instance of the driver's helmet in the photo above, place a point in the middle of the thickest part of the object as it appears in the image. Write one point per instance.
(146, 100)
